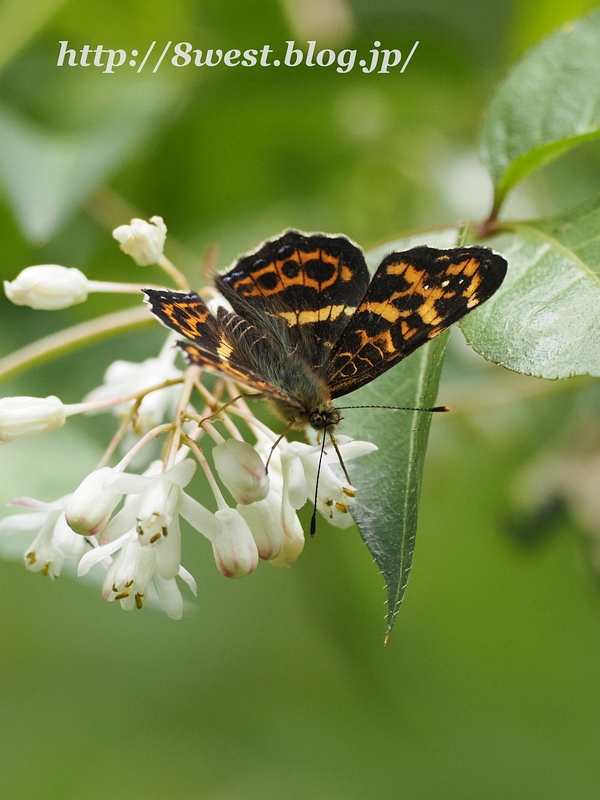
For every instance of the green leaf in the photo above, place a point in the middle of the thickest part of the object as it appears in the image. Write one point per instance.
(388, 482)
(549, 103)
(545, 318)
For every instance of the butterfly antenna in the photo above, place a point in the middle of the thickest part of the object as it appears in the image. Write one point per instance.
(313, 519)
(279, 438)
(397, 408)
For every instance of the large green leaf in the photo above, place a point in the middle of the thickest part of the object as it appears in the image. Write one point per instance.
(47, 174)
(389, 482)
(545, 319)
(549, 103)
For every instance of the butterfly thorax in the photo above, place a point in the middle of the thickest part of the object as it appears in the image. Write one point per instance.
(308, 400)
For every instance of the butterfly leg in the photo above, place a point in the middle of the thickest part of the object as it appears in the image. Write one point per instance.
(339, 455)
(230, 402)
(279, 438)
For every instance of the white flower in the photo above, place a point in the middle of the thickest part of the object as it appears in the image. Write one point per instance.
(153, 508)
(147, 534)
(123, 378)
(300, 463)
(91, 504)
(21, 417)
(48, 286)
(242, 471)
(155, 501)
(55, 543)
(131, 573)
(143, 241)
(234, 547)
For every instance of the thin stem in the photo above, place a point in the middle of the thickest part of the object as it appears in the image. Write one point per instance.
(77, 336)
(178, 277)
(191, 375)
(116, 440)
(213, 403)
(207, 470)
(153, 434)
(462, 234)
(80, 408)
(119, 288)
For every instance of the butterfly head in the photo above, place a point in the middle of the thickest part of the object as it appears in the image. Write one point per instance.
(321, 416)
(324, 419)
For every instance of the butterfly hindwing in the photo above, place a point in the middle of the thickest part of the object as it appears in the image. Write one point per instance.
(224, 343)
(413, 296)
(305, 288)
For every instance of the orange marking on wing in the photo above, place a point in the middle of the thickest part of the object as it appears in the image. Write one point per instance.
(473, 285)
(396, 269)
(407, 331)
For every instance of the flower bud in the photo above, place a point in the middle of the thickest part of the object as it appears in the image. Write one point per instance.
(21, 417)
(264, 527)
(48, 287)
(143, 241)
(292, 536)
(90, 506)
(242, 471)
(294, 478)
(234, 548)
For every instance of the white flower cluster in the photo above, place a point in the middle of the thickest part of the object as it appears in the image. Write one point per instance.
(125, 527)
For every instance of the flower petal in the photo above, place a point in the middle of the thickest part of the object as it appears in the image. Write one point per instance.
(199, 517)
(16, 523)
(188, 578)
(169, 596)
(99, 553)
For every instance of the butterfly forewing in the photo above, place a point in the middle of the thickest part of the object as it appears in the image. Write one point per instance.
(305, 289)
(414, 296)
(224, 343)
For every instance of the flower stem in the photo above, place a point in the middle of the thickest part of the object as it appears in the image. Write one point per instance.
(207, 470)
(122, 430)
(191, 375)
(178, 277)
(99, 405)
(153, 434)
(120, 288)
(85, 333)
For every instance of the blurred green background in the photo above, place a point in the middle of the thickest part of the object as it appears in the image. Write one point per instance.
(279, 686)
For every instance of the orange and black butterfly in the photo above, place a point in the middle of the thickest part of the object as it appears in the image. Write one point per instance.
(306, 325)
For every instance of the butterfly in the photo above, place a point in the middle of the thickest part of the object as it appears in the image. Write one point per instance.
(304, 323)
